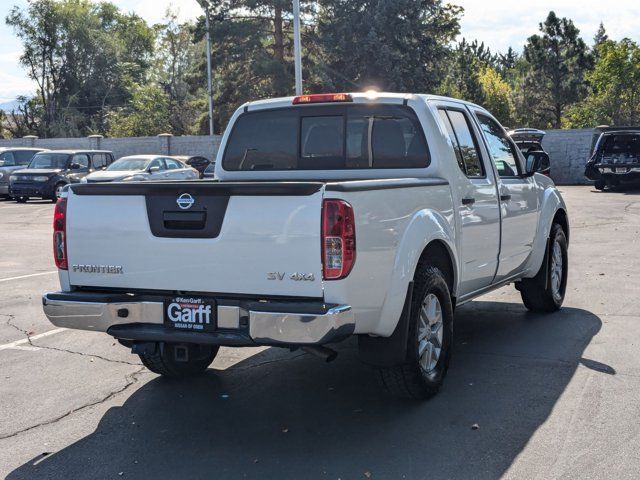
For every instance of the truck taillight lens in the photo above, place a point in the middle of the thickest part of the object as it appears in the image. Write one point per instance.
(59, 234)
(338, 239)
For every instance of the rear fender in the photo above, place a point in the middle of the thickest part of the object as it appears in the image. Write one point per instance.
(425, 227)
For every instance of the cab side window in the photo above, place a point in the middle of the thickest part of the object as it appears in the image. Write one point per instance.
(172, 164)
(98, 160)
(157, 163)
(500, 148)
(82, 160)
(464, 142)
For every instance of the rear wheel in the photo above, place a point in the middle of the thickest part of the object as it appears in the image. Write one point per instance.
(430, 337)
(545, 292)
(172, 360)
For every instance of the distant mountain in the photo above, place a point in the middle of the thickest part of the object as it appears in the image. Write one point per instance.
(9, 106)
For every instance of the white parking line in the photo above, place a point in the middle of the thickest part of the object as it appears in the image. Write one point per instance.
(16, 345)
(27, 276)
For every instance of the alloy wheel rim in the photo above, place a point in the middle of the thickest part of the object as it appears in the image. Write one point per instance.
(430, 333)
(556, 270)
(59, 191)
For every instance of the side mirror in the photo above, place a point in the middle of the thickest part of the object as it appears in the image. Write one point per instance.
(154, 169)
(538, 162)
(74, 166)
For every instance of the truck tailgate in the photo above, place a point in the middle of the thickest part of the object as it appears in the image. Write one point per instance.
(235, 238)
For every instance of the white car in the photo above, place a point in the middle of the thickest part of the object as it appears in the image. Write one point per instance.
(334, 215)
(138, 168)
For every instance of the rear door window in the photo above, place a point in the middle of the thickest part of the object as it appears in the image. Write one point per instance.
(464, 142)
(99, 160)
(329, 138)
(621, 148)
(172, 164)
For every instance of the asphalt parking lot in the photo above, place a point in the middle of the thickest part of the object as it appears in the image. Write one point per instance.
(555, 396)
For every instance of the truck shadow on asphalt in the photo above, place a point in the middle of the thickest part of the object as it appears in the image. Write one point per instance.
(283, 415)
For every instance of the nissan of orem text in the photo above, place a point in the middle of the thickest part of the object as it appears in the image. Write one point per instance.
(331, 215)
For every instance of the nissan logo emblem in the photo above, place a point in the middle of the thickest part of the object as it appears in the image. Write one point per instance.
(185, 201)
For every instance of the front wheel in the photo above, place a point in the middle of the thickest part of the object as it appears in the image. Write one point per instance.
(21, 199)
(600, 185)
(172, 360)
(545, 292)
(429, 340)
(57, 193)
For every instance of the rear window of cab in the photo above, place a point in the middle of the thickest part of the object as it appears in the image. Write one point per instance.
(334, 137)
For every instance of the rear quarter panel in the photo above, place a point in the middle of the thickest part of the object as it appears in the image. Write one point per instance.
(393, 226)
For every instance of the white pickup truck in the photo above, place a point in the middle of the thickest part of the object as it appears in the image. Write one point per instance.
(332, 215)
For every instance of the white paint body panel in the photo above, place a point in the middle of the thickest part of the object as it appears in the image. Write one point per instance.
(488, 242)
(259, 235)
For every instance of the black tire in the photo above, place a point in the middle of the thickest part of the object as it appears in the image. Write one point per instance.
(55, 196)
(600, 185)
(163, 360)
(21, 199)
(411, 379)
(538, 293)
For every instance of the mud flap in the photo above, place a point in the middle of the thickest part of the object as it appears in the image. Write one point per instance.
(388, 351)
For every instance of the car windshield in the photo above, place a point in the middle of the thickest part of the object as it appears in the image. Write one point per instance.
(128, 164)
(49, 160)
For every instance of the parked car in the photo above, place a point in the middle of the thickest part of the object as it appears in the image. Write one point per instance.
(50, 171)
(12, 159)
(529, 141)
(615, 158)
(138, 168)
(210, 171)
(335, 215)
(198, 162)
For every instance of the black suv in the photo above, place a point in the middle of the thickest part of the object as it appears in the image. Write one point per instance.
(48, 172)
(615, 158)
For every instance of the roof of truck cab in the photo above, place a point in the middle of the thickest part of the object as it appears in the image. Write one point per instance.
(358, 97)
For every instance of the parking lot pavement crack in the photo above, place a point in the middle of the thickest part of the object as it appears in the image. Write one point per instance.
(9, 322)
(82, 354)
(131, 380)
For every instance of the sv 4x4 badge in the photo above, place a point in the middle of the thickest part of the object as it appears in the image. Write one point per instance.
(296, 277)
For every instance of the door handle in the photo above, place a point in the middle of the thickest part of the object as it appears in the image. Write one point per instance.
(505, 198)
(468, 201)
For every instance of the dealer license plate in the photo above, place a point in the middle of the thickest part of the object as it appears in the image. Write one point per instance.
(184, 312)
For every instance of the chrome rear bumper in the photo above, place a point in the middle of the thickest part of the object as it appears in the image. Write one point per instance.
(240, 322)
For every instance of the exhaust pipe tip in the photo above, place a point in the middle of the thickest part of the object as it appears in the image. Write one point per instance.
(326, 354)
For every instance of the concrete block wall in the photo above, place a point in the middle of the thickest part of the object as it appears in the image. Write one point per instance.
(569, 149)
(205, 146)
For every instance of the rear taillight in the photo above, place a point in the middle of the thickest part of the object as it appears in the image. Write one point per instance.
(59, 234)
(338, 239)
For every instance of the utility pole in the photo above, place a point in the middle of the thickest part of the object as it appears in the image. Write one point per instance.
(205, 6)
(296, 46)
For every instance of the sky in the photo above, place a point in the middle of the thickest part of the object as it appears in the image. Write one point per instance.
(498, 23)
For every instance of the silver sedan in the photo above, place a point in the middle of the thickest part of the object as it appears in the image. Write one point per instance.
(138, 168)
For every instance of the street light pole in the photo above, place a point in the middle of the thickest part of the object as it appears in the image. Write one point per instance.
(296, 46)
(209, 79)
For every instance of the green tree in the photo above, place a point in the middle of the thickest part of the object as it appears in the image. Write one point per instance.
(397, 45)
(615, 82)
(82, 56)
(146, 115)
(497, 95)
(558, 61)
(177, 61)
(466, 62)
